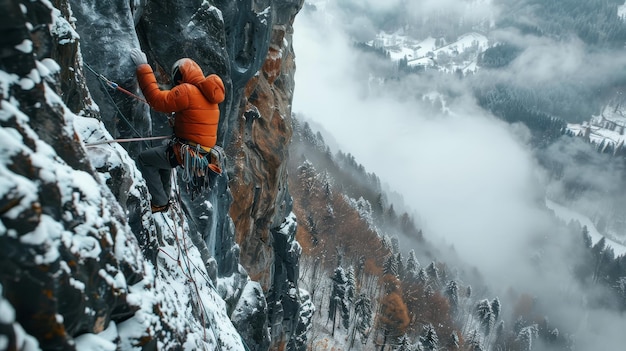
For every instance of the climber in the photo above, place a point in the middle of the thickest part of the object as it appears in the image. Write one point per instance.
(194, 99)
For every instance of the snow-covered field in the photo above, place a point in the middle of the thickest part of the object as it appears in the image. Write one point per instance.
(568, 215)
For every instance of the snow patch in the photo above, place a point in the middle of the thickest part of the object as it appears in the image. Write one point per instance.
(7, 313)
(26, 46)
(104, 341)
(62, 29)
(52, 66)
(621, 11)
(6, 80)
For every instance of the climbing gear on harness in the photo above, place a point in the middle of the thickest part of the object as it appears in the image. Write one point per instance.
(200, 164)
(128, 140)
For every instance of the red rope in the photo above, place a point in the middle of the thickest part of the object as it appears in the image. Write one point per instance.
(132, 95)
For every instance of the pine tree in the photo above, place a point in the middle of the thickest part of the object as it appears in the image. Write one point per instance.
(412, 265)
(519, 324)
(362, 316)
(485, 315)
(587, 237)
(453, 342)
(599, 247)
(338, 294)
(473, 342)
(452, 293)
(526, 336)
(306, 174)
(422, 277)
(429, 338)
(307, 134)
(400, 264)
(379, 205)
(391, 266)
(495, 308)
(386, 241)
(391, 217)
(395, 244)
(404, 344)
(350, 285)
(433, 273)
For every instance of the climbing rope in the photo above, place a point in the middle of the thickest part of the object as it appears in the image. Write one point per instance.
(195, 165)
(128, 140)
(104, 82)
(111, 84)
(187, 271)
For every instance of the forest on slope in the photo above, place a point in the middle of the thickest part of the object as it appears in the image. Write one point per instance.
(378, 282)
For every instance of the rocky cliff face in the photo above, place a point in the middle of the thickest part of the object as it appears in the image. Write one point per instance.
(83, 261)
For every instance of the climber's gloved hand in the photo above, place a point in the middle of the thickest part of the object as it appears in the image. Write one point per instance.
(138, 57)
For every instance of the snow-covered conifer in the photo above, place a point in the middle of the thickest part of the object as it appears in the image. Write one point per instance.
(404, 344)
(412, 265)
(429, 338)
(495, 308)
(363, 315)
(433, 273)
(453, 342)
(422, 277)
(338, 294)
(395, 244)
(485, 315)
(390, 266)
(400, 264)
(473, 342)
(452, 293)
(526, 336)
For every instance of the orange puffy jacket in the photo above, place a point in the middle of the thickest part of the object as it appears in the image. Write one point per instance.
(194, 101)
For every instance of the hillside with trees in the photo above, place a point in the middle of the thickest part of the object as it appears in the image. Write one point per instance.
(378, 284)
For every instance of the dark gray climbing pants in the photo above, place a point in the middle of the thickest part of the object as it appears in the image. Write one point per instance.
(156, 168)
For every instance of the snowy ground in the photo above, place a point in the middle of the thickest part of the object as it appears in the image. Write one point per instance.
(609, 127)
(425, 52)
(568, 215)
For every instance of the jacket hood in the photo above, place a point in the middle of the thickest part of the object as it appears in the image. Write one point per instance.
(211, 87)
(190, 71)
